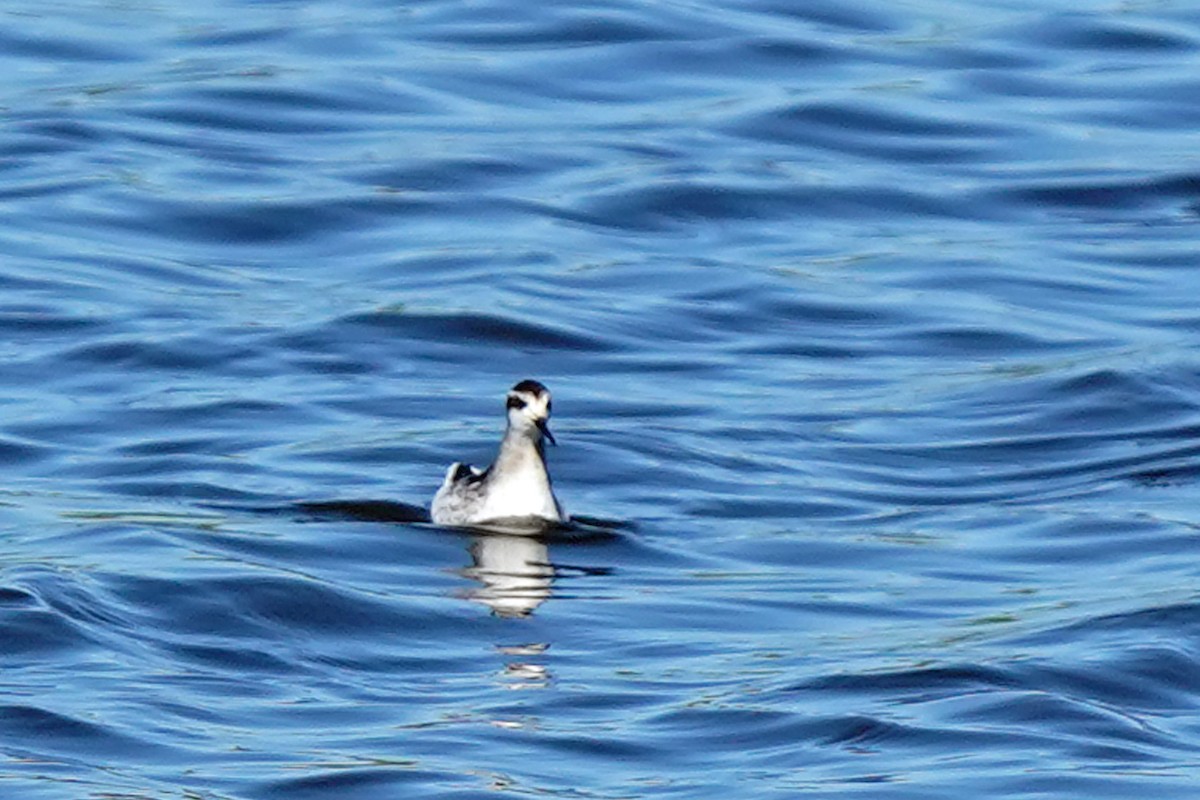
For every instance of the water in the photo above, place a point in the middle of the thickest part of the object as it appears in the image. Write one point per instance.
(872, 330)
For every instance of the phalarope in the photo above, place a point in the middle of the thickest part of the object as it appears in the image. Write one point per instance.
(516, 487)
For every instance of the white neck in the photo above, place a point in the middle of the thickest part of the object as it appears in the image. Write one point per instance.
(521, 451)
(519, 479)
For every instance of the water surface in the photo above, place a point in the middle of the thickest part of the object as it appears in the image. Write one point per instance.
(872, 334)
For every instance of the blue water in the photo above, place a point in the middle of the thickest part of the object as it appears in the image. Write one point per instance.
(874, 340)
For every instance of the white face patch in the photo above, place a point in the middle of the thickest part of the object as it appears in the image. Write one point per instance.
(534, 407)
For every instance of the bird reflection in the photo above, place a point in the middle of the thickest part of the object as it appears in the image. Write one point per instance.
(515, 573)
(524, 672)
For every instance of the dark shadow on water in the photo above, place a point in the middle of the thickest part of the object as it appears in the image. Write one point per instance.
(580, 530)
(365, 510)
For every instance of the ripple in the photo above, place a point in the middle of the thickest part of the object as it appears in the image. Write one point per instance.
(33, 631)
(252, 222)
(562, 28)
(235, 114)
(18, 452)
(31, 726)
(942, 680)
(876, 132)
(36, 321)
(1118, 191)
(1124, 36)
(481, 329)
(63, 46)
(379, 780)
(658, 207)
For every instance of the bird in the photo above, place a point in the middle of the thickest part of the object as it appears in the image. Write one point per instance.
(516, 488)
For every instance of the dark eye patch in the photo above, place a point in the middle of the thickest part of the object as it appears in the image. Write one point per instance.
(516, 402)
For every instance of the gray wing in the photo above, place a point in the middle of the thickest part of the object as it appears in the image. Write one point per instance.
(460, 496)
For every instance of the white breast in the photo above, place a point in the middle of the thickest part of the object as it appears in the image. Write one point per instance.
(520, 498)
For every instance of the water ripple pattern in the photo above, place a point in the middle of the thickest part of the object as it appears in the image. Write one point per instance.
(872, 331)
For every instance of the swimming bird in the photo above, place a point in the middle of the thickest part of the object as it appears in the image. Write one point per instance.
(516, 488)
